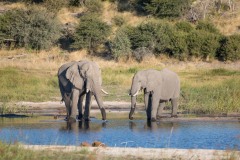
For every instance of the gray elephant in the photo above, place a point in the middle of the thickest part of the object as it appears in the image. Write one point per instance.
(158, 87)
(75, 80)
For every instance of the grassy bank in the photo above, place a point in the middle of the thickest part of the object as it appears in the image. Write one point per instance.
(207, 91)
(17, 152)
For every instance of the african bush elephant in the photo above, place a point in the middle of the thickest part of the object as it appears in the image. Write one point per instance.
(77, 79)
(159, 87)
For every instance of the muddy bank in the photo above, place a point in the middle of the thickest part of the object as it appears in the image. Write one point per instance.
(145, 153)
(54, 108)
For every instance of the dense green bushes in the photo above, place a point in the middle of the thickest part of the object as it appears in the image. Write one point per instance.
(90, 33)
(38, 28)
(32, 29)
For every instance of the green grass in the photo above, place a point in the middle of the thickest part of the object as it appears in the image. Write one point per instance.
(213, 91)
(15, 151)
(21, 85)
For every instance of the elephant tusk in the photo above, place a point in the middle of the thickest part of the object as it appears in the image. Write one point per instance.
(87, 90)
(135, 94)
(104, 91)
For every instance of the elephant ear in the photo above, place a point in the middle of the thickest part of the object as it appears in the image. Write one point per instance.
(86, 71)
(151, 83)
(74, 77)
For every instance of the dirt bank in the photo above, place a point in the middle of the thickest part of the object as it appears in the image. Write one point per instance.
(145, 153)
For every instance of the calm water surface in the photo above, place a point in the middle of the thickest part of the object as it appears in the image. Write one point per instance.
(122, 133)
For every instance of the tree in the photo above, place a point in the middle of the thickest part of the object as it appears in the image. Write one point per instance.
(120, 46)
(90, 33)
(33, 28)
(168, 8)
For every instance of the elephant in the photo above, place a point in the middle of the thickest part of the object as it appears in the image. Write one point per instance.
(159, 87)
(77, 79)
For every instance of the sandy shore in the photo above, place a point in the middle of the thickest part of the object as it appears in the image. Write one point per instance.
(146, 153)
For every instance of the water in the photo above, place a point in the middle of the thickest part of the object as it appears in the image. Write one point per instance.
(123, 133)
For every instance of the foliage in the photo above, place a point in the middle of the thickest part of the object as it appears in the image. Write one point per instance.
(90, 33)
(120, 45)
(118, 20)
(229, 48)
(202, 44)
(206, 26)
(184, 26)
(33, 28)
(94, 6)
(143, 35)
(54, 6)
(168, 8)
(141, 53)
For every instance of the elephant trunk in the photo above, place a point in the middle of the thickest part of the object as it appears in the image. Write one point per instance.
(97, 95)
(133, 106)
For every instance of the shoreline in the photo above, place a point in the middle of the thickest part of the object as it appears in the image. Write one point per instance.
(144, 153)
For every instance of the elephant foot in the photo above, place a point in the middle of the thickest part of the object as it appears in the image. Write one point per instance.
(153, 119)
(103, 114)
(66, 118)
(174, 116)
(87, 119)
(71, 119)
(79, 117)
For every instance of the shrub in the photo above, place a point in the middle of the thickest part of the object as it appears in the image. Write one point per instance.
(167, 8)
(163, 38)
(120, 45)
(184, 26)
(229, 48)
(54, 6)
(90, 33)
(202, 44)
(118, 20)
(94, 6)
(33, 28)
(142, 53)
(207, 26)
(143, 35)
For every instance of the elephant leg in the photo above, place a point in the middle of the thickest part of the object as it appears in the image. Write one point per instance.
(67, 101)
(148, 104)
(74, 106)
(160, 108)
(80, 107)
(88, 104)
(174, 107)
(155, 103)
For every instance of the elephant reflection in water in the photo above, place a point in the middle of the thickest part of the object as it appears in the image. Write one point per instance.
(153, 126)
(83, 126)
(77, 79)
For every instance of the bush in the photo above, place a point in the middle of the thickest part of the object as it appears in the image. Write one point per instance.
(206, 26)
(229, 48)
(167, 8)
(118, 20)
(184, 26)
(142, 53)
(94, 6)
(143, 35)
(202, 44)
(90, 33)
(54, 6)
(120, 45)
(33, 28)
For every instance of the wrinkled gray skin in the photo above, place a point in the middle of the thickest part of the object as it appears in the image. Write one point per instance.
(159, 87)
(77, 79)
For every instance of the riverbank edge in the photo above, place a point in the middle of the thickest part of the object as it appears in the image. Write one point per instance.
(143, 153)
